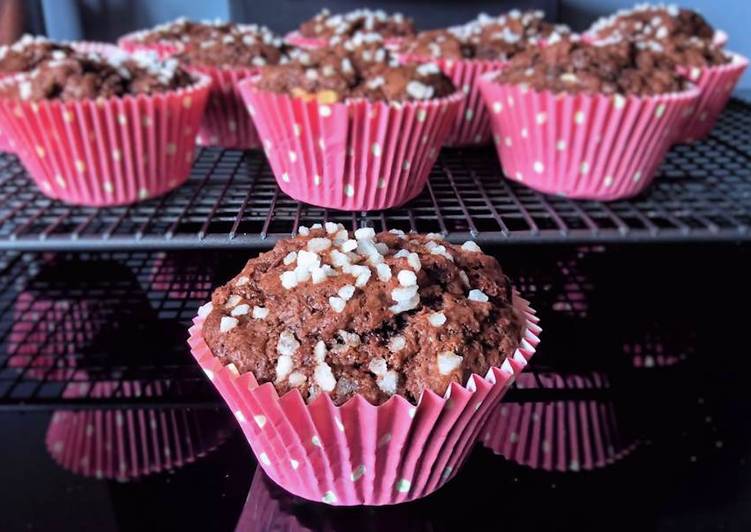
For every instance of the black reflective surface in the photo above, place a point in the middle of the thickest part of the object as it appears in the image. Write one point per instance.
(663, 325)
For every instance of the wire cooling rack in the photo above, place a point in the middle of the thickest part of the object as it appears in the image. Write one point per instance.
(703, 193)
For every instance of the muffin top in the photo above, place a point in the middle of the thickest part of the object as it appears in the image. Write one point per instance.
(368, 314)
(29, 52)
(690, 52)
(492, 38)
(325, 25)
(573, 66)
(184, 31)
(236, 45)
(81, 76)
(337, 73)
(650, 21)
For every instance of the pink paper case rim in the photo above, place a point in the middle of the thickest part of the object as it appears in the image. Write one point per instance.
(716, 84)
(109, 151)
(565, 435)
(397, 451)
(354, 155)
(472, 124)
(128, 444)
(131, 42)
(226, 121)
(582, 146)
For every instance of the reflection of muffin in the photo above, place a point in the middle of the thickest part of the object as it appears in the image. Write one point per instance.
(100, 129)
(346, 322)
(583, 120)
(342, 132)
(564, 435)
(126, 444)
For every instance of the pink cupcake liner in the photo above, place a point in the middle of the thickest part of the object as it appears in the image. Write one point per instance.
(226, 121)
(132, 42)
(355, 155)
(574, 435)
(472, 125)
(359, 453)
(180, 279)
(582, 146)
(130, 443)
(716, 84)
(109, 151)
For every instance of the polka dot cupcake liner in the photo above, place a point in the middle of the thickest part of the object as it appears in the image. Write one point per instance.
(133, 42)
(472, 125)
(571, 435)
(6, 143)
(716, 84)
(354, 155)
(226, 121)
(583, 146)
(358, 453)
(105, 152)
(126, 444)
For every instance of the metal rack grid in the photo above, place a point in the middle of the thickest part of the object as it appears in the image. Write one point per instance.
(73, 325)
(231, 200)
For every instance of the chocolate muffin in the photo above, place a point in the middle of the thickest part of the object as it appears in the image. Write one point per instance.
(376, 315)
(336, 74)
(649, 21)
(233, 45)
(691, 52)
(492, 38)
(73, 75)
(29, 52)
(325, 25)
(573, 66)
(185, 31)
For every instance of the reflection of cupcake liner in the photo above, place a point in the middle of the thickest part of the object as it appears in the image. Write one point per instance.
(226, 122)
(472, 126)
(129, 443)
(109, 151)
(566, 435)
(133, 42)
(264, 510)
(181, 279)
(652, 350)
(716, 84)
(582, 145)
(355, 155)
(359, 453)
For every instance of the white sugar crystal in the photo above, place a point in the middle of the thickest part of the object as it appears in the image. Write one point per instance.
(289, 280)
(378, 367)
(349, 245)
(240, 310)
(434, 236)
(316, 226)
(290, 258)
(331, 228)
(384, 272)
(428, 68)
(346, 292)
(471, 246)
(414, 261)
(448, 361)
(437, 319)
(232, 300)
(339, 259)
(318, 244)
(337, 303)
(365, 233)
(302, 230)
(402, 253)
(397, 232)
(205, 310)
(227, 324)
(318, 275)
(349, 338)
(363, 278)
(287, 344)
(324, 377)
(388, 382)
(465, 278)
(241, 281)
(308, 260)
(283, 367)
(403, 306)
(260, 313)
(296, 379)
(407, 278)
(319, 351)
(419, 91)
(397, 343)
(477, 295)
(382, 247)
(302, 274)
(442, 251)
(341, 236)
(404, 293)
(367, 248)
